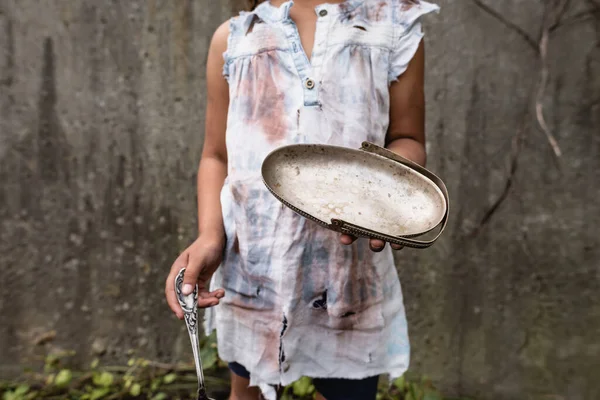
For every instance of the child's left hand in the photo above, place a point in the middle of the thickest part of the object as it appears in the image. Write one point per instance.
(376, 245)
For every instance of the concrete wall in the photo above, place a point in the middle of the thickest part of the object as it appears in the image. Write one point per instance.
(101, 126)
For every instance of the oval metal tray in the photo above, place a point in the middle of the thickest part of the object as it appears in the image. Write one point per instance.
(367, 192)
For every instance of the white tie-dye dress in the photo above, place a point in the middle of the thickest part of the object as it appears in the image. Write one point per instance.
(298, 303)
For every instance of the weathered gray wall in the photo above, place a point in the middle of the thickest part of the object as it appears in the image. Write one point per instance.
(101, 120)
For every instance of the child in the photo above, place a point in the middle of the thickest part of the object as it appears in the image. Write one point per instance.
(302, 300)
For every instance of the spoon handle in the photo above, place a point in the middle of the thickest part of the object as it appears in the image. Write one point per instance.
(189, 306)
(198, 361)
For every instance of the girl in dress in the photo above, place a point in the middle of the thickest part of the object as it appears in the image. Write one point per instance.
(295, 299)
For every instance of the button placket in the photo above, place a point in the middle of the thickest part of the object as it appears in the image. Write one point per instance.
(308, 70)
(324, 20)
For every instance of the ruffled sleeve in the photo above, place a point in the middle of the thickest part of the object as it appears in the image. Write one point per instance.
(408, 33)
(237, 26)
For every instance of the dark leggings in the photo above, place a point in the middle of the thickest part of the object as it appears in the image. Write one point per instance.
(332, 388)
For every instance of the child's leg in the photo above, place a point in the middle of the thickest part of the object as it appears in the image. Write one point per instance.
(240, 379)
(347, 389)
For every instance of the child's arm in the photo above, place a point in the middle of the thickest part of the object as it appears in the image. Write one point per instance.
(406, 132)
(213, 164)
(203, 257)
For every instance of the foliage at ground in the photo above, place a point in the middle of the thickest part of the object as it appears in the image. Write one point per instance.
(145, 379)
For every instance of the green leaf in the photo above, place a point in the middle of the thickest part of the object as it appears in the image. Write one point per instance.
(432, 394)
(208, 355)
(303, 387)
(8, 396)
(94, 363)
(99, 393)
(21, 390)
(32, 396)
(103, 379)
(159, 396)
(287, 396)
(399, 383)
(155, 384)
(135, 390)
(209, 340)
(169, 378)
(63, 378)
(417, 391)
(51, 359)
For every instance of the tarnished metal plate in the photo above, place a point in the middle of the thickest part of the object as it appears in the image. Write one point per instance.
(360, 188)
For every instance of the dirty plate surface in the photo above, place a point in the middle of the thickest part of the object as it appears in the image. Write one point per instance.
(368, 190)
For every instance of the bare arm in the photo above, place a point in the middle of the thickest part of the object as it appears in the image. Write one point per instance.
(203, 257)
(213, 165)
(406, 132)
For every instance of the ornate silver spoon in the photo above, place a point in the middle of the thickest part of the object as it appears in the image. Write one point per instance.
(189, 305)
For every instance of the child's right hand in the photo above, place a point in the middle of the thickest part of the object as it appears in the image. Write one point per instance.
(376, 245)
(200, 260)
